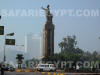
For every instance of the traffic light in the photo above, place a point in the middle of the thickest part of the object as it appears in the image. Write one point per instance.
(1, 30)
(10, 42)
(19, 56)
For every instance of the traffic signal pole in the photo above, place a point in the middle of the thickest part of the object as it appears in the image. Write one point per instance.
(4, 58)
(10, 34)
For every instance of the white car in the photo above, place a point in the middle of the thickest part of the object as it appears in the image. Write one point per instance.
(46, 67)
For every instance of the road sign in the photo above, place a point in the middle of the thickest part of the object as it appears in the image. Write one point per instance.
(1, 30)
(10, 42)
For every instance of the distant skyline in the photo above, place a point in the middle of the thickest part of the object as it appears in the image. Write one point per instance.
(86, 29)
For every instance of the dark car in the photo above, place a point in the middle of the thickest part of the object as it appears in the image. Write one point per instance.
(11, 69)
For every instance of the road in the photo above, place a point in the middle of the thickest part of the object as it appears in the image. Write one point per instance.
(47, 73)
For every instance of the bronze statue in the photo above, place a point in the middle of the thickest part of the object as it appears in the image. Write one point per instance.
(0, 17)
(48, 14)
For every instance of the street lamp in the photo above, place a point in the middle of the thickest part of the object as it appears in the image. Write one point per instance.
(10, 34)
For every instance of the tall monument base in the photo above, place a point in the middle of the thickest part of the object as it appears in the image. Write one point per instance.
(48, 36)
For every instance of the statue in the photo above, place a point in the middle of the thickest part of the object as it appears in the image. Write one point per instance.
(48, 36)
(48, 14)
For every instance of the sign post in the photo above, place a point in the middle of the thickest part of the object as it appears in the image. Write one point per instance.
(1, 30)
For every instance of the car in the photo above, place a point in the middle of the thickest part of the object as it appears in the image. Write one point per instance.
(46, 67)
(11, 69)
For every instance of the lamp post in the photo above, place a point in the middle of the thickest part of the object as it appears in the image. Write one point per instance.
(10, 34)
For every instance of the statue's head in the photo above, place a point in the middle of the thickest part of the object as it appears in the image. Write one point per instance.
(0, 17)
(48, 6)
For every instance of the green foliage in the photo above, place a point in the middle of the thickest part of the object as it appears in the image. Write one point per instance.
(68, 43)
(71, 52)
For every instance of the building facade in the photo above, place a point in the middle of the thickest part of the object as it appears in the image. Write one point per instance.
(33, 45)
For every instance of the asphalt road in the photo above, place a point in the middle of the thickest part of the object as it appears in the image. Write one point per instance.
(47, 73)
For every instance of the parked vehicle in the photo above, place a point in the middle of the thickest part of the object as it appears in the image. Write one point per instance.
(11, 69)
(46, 67)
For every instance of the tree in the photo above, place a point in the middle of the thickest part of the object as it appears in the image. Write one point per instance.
(68, 43)
(19, 60)
(69, 50)
(95, 55)
(61, 45)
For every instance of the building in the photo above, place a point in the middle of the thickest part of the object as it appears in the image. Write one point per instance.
(33, 44)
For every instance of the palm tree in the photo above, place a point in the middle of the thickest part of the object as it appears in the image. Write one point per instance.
(61, 45)
(19, 60)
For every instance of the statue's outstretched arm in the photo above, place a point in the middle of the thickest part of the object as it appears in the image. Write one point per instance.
(43, 8)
